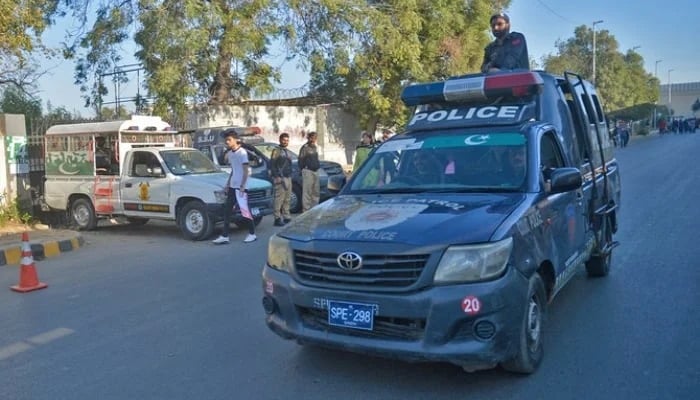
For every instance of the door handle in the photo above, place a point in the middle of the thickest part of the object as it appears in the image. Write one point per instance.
(128, 184)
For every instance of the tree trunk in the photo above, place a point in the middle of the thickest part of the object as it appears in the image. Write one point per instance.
(221, 87)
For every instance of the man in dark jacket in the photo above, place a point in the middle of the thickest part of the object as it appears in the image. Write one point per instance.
(309, 165)
(281, 173)
(508, 51)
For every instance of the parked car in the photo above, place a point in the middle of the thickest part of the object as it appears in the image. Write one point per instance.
(210, 141)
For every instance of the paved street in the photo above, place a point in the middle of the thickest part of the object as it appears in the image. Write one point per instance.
(140, 313)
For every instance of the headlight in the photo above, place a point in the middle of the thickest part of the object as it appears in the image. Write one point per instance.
(220, 196)
(473, 262)
(279, 255)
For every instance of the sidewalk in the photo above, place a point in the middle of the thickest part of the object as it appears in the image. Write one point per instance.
(44, 242)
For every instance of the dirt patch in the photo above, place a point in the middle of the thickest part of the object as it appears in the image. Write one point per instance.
(13, 228)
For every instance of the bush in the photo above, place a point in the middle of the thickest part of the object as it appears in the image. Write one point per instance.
(643, 131)
(11, 212)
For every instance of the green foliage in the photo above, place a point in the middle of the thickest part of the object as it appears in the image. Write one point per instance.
(15, 101)
(363, 53)
(620, 78)
(22, 23)
(192, 50)
(12, 212)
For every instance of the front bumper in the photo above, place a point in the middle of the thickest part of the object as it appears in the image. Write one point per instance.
(428, 325)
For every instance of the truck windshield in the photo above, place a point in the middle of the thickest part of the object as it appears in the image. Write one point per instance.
(445, 162)
(186, 162)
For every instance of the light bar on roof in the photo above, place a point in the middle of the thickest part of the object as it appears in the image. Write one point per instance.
(472, 88)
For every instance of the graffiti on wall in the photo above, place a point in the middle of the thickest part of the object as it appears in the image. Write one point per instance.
(17, 154)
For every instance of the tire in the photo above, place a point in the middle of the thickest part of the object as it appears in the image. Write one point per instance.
(599, 265)
(530, 348)
(194, 222)
(137, 220)
(82, 214)
(295, 200)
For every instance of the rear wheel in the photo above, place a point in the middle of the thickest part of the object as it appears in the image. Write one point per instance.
(194, 221)
(83, 214)
(599, 264)
(530, 349)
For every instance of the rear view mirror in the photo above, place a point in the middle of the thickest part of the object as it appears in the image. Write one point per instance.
(565, 180)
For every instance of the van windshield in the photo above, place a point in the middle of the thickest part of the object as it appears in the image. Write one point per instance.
(445, 162)
(186, 162)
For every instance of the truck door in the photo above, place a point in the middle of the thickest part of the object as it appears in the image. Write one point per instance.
(565, 211)
(145, 187)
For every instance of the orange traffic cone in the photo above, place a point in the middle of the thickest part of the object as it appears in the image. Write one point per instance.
(28, 279)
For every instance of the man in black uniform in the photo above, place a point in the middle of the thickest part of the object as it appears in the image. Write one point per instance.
(508, 51)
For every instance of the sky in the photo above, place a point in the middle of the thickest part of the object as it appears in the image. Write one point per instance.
(660, 29)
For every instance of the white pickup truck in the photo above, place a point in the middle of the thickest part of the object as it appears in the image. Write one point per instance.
(135, 169)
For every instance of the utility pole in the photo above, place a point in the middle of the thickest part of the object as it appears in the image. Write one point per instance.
(669, 87)
(594, 49)
(654, 117)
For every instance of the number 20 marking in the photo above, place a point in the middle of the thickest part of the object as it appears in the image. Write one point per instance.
(471, 305)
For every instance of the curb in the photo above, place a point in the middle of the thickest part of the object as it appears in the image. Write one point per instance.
(12, 255)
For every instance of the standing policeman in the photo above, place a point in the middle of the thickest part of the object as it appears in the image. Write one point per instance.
(281, 172)
(508, 51)
(309, 165)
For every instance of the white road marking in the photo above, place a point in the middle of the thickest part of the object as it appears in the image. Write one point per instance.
(13, 349)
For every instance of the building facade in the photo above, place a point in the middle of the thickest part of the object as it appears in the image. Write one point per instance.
(680, 98)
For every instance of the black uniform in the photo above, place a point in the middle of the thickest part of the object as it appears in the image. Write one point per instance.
(511, 53)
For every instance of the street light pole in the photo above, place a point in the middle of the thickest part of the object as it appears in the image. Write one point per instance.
(669, 87)
(594, 50)
(654, 117)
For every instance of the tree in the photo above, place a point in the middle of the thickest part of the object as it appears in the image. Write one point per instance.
(363, 53)
(191, 50)
(21, 24)
(620, 78)
(16, 101)
(696, 106)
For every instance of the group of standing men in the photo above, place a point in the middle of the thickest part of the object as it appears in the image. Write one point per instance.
(281, 173)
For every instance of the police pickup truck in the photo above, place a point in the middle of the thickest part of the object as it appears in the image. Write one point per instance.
(450, 241)
(134, 169)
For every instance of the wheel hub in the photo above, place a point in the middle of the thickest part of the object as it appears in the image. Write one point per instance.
(534, 319)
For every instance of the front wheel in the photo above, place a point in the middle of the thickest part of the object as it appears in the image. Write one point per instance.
(194, 221)
(83, 214)
(530, 349)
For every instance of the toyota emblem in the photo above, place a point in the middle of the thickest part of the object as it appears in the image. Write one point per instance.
(349, 261)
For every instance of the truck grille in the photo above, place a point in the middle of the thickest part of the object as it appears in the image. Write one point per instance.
(405, 329)
(256, 196)
(393, 271)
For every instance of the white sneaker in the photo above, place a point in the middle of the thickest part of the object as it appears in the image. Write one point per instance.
(221, 240)
(250, 238)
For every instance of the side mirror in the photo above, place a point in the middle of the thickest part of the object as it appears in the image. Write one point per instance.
(336, 183)
(565, 180)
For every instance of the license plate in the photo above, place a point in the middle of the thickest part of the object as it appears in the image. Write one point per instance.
(351, 315)
(255, 211)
